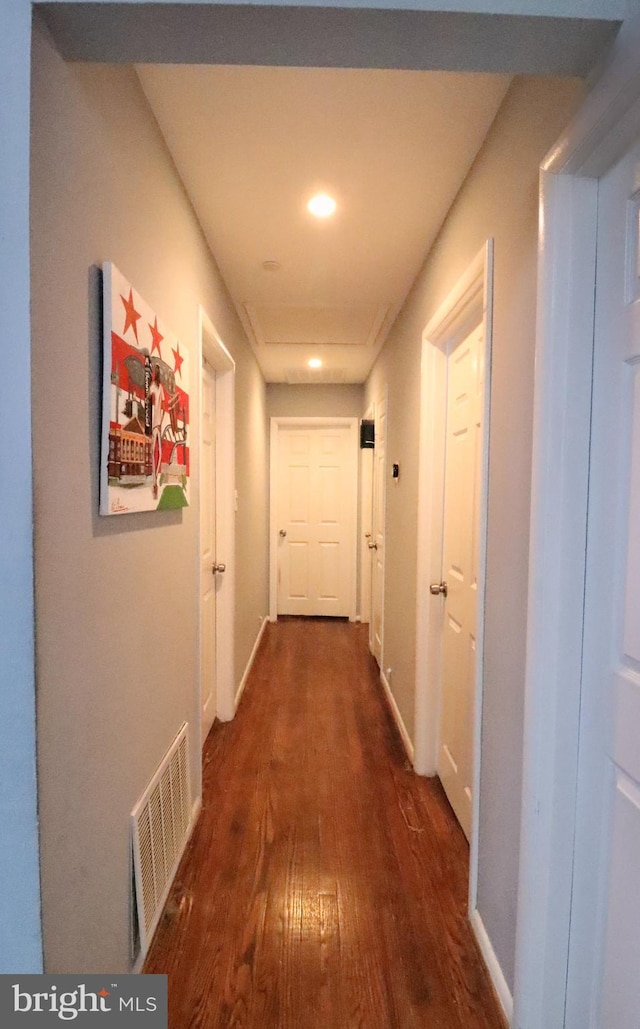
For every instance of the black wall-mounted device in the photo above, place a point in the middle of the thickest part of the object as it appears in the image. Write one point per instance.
(367, 434)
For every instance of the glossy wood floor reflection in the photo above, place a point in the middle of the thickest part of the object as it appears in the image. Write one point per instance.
(325, 885)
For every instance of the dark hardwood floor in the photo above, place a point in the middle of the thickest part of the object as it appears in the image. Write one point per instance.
(325, 884)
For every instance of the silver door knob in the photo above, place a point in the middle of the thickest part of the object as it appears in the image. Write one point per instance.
(218, 568)
(283, 533)
(372, 546)
(438, 588)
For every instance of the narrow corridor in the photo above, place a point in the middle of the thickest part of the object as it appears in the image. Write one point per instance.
(325, 884)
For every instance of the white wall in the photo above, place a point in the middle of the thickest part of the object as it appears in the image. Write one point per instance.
(116, 598)
(321, 400)
(499, 199)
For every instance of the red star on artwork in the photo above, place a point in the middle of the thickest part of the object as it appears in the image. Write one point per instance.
(104, 993)
(156, 337)
(178, 358)
(131, 315)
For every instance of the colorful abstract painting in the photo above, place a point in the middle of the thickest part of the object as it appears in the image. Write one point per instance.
(145, 412)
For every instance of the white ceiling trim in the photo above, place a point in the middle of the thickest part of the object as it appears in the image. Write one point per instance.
(327, 325)
(320, 377)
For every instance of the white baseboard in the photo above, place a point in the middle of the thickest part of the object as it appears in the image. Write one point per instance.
(493, 965)
(195, 815)
(395, 711)
(243, 681)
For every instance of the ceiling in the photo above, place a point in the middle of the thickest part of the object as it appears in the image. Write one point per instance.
(253, 144)
(258, 111)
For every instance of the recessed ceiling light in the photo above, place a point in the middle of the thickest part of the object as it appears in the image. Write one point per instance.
(321, 205)
(315, 362)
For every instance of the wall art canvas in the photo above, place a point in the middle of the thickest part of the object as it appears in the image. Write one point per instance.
(145, 406)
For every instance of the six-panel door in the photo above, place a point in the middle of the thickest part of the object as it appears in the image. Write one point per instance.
(315, 520)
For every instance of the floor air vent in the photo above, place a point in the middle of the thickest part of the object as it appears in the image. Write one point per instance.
(160, 822)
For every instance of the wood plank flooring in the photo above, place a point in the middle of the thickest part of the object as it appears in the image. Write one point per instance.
(325, 884)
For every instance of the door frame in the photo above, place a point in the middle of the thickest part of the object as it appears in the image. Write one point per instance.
(602, 130)
(365, 524)
(468, 305)
(382, 398)
(212, 349)
(289, 423)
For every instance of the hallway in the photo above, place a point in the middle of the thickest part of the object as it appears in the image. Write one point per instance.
(325, 884)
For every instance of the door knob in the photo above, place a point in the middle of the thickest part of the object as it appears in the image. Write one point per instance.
(372, 546)
(438, 588)
(218, 568)
(283, 533)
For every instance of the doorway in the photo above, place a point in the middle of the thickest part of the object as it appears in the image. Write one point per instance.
(459, 328)
(314, 486)
(457, 585)
(604, 948)
(557, 984)
(376, 544)
(210, 570)
(366, 523)
(216, 544)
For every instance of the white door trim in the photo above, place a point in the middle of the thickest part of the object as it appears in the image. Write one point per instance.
(468, 305)
(604, 127)
(382, 398)
(211, 347)
(366, 521)
(289, 423)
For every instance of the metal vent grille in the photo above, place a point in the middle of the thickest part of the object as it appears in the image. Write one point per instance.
(160, 822)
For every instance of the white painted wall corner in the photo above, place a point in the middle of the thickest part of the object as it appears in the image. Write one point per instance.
(395, 711)
(243, 681)
(496, 974)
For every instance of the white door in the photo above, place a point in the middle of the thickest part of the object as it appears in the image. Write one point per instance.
(316, 483)
(462, 495)
(376, 626)
(208, 550)
(604, 950)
